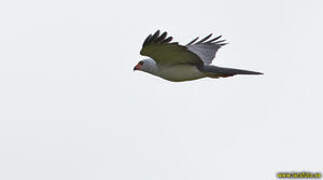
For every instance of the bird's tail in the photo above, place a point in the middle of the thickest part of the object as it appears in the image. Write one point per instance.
(216, 72)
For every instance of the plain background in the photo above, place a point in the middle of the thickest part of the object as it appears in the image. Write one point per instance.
(72, 108)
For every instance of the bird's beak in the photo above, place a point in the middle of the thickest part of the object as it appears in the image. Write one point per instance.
(137, 67)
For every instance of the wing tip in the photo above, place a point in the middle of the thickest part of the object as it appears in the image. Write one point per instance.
(210, 41)
(157, 37)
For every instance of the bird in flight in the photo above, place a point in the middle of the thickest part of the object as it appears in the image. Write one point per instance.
(174, 62)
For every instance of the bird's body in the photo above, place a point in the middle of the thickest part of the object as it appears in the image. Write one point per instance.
(180, 72)
(176, 63)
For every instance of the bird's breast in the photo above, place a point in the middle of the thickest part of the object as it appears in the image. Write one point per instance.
(180, 73)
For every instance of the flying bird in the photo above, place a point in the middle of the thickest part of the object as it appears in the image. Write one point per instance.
(174, 62)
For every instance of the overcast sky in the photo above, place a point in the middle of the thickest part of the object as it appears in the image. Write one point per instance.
(72, 108)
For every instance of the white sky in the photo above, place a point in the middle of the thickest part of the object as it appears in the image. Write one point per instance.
(72, 108)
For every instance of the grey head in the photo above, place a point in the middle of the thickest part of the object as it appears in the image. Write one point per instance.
(147, 65)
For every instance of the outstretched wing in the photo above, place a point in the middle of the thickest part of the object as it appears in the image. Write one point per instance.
(206, 49)
(164, 52)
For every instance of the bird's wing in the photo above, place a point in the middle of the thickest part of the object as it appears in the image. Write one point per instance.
(164, 52)
(205, 48)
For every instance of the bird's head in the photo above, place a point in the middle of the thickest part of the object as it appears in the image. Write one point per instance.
(147, 65)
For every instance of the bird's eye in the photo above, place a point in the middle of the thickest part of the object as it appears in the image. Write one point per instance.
(141, 62)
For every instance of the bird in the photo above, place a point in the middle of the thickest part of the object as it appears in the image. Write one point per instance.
(174, 62)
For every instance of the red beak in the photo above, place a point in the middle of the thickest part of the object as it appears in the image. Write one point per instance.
(137, 67)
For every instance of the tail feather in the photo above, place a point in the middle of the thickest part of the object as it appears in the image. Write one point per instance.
(216, 72)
